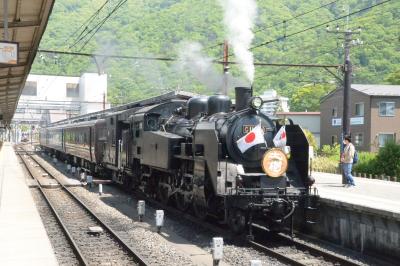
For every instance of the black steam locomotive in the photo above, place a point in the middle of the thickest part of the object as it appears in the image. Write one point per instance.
(186, 152)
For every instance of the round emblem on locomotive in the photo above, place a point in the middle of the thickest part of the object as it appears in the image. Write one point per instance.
(274, 162)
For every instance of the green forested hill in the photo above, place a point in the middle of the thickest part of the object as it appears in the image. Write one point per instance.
(157, 28)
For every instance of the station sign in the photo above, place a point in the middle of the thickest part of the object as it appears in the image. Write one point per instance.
(336, 122)
(9, 53)
(357, 120)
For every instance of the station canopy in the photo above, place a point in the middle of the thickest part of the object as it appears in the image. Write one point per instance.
(27, 20)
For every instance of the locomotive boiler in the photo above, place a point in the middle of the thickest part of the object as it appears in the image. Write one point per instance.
(204, 154)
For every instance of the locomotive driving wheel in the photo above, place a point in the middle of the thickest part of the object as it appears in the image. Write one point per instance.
(237, 221)
(200, 210)
(183, 200)
(163, 193)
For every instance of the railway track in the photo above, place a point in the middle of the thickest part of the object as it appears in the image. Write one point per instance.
(92, 241)
(283, 248)
(295, 252)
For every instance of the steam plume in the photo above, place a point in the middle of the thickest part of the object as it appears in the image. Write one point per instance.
(192, 59)
(239, 16)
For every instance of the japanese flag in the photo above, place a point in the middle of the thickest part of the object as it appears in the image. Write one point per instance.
(280, 137)
(254, 137)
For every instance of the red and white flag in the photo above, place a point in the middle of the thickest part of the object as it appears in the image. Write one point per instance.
(254, 137)
(280, 137)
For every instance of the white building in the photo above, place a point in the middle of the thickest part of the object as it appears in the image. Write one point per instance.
(281, 104)
(307, 120)
(47, 99)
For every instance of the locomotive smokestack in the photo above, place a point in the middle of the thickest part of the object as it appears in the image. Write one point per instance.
(242, 95)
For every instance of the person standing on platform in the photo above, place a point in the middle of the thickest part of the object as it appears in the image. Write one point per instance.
(347, 160)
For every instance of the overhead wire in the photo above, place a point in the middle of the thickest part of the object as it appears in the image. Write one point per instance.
(320, 24)
(312, 57)
(282, 21)
(99, 25)
(87, 22)
(316, 45)
(96, 27)
(102, 23)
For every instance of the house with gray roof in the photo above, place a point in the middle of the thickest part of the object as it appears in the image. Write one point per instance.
(374, 116)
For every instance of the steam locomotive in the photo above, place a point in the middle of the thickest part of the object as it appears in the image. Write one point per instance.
(187, 153)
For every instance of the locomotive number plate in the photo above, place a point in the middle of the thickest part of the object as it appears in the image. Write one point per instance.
(248, 128)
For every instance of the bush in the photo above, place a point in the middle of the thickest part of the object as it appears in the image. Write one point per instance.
(325, 164)
(311, 139)
(331, 151)
(388, 159)
(366, 163)
(386, 162)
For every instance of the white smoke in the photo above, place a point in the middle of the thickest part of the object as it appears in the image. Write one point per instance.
(193, 60)
(239, 17)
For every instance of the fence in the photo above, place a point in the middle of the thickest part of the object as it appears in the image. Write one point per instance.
(337, 170)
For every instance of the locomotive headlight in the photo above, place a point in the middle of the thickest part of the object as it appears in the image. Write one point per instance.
(274, 163)
(256, 103)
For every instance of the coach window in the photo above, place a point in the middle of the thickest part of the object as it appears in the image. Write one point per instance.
(85, 139)
(138, 128)
(112, 138)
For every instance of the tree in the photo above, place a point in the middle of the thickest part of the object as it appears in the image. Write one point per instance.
(388, 159)
(311, 139)
(394, 78)
(155, 28)
(307, 98)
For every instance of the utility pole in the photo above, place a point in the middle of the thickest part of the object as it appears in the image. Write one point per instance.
(225, 68)
(347, 69)
(5, 17)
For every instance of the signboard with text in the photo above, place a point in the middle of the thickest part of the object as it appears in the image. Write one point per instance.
(357, 120)
(8, 53)
(336, 122)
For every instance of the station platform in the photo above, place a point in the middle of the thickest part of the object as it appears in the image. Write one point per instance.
(365, 218)
(23, 238)
(373, 195)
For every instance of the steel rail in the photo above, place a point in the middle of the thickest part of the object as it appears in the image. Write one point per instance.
(302, 247)
(258, 246)
(74, 246)
(315, 251)
(327, 256)
(132, 252)
(269, 251)
(254, 244)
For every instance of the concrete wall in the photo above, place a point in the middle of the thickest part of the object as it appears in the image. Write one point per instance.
(93, 88)
(369, 231)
